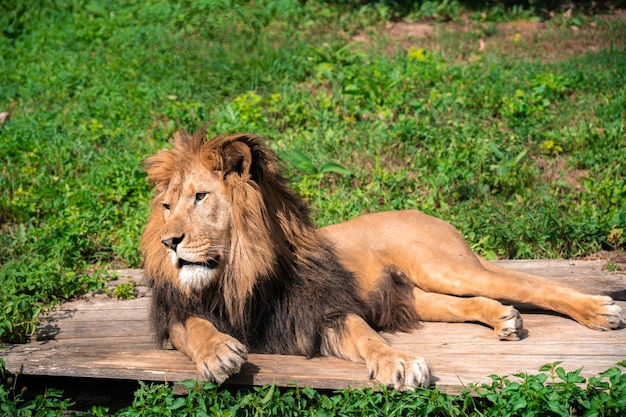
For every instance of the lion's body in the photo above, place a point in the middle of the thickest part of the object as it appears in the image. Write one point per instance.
(236, 265)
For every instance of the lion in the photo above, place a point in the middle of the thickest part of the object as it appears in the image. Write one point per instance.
(236, 265)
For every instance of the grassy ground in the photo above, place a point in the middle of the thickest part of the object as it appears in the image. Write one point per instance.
(510, 127)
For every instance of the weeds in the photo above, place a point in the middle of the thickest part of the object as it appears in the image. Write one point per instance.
(551, 392)
(12, 402)
(125, 291)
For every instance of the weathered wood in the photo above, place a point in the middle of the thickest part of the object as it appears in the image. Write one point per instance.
(101, 337)
(586, 275)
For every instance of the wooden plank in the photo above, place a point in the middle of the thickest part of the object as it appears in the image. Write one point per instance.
(451, 370)
(100, 302)
(171, 365)
(137, 313)
(145, 341)
(101, 337)
(587, 275)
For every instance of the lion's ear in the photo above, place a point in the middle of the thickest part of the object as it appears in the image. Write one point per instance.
(236, 157)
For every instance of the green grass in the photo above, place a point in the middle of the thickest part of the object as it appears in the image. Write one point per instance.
(550, 392)
(523, 154)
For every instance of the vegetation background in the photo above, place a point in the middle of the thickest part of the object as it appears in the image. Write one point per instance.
(505, 119)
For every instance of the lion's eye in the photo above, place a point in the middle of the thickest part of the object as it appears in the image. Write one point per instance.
(166, 206)
(200, 197)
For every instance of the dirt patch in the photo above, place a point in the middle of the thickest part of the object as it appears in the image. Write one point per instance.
(553, 41)
(617, 256)
(522, 26)
(399, 32)
(404, 30)
(556, 39)
(554, 170)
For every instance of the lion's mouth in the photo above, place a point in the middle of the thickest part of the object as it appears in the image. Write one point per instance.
(210, 264)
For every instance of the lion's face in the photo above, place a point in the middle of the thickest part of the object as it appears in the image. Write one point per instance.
(222, 217)
(196, 225)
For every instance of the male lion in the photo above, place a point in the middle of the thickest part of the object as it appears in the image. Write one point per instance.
(236, 265)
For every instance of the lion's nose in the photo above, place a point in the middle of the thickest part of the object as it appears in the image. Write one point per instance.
(172, 242)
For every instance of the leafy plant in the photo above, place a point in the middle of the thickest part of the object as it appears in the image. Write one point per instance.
(12, 403)
(125, 291)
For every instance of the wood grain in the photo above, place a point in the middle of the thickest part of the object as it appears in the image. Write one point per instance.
(100, 337)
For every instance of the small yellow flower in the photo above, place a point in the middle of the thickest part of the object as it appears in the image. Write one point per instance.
(416, 54)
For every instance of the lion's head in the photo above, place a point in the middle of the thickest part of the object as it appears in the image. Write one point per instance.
(222, 215)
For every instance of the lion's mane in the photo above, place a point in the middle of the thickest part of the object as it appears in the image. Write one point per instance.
(283, 286)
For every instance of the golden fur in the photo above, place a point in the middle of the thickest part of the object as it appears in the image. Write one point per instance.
(236, 265)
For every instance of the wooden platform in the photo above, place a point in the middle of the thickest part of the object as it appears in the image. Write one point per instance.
(101, 337)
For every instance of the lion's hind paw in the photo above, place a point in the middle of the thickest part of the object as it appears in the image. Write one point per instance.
(608, 315)
(509, 326)
(598, 312)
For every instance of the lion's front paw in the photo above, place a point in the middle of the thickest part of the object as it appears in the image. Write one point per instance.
(221, 358)
(601, 313)
(509, 326)
(401, 371)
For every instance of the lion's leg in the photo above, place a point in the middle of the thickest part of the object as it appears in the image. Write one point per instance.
(358, 342)
(594, 311)
(216, 355)
(505, 320)
(488, 280)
